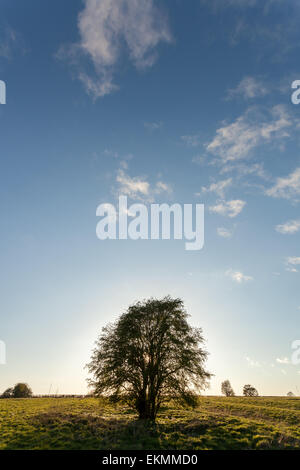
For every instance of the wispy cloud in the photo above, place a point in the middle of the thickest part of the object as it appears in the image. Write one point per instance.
(133, 187)
(224, 232)
(292, 262)
(235, 141)
(290, 227)
(162, 187)
(274, 38)
(192, 140)
(10, 41)
(248, 88)
(287, 188)
(219, 188)
(215, 4)
(238, 276)
(110, 28)
(138, 187)
(283, 360)
(245, 169)
(153, 126)
(199, 159)
(228, 208)
(291, 269)
(252, 362)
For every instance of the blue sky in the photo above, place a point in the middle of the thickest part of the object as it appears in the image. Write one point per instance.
(106, 97)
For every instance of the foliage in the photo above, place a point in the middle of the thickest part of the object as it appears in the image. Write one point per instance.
(249, 391)
(290, 394)
(8, 393)
(20, 390)
(150, 354)
(227, 389)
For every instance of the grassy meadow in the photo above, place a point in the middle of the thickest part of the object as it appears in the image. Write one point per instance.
(89, 423)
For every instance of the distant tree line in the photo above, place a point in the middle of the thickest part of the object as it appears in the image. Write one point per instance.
(248, 390)
(22, 390)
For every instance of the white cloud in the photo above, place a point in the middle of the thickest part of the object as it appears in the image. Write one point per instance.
(132, 186)
(161, 187)
(138, 187)
(238, 276)
(192, 140)
(290, 227)
(249, 88)
(228, 208)
(239, 3)
(199, 159)
(243, 169)
(235, 141)
(291, 270)
(215, 4)
(8, 41)
(224, 232)
(283, 360)
(291, 262)
(288, 187)
(252, 362)
(110, 28)
(219, 188)
(153, 126)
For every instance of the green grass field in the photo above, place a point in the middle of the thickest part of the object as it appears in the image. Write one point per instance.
(88, 423)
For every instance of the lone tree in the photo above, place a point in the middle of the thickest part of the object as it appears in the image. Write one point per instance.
(290, 394)
(227, 389)
(250, 391)
(22, 390)
(149, 355)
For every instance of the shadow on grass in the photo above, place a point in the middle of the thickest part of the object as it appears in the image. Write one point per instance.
(56, 430)
(65, 430)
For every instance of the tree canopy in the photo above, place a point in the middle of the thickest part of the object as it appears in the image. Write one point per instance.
(227, 389)
(250, 391)
(148, 355)
(20, 390)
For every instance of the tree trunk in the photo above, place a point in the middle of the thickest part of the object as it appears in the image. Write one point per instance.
(145, 410)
